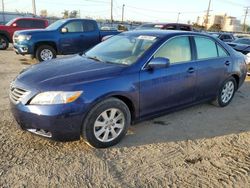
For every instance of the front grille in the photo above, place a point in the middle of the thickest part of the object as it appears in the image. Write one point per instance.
(16, 94)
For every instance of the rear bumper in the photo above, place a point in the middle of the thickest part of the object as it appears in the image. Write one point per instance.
(58, 122)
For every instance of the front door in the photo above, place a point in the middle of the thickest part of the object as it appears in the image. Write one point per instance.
(72, 41)
(173, 86)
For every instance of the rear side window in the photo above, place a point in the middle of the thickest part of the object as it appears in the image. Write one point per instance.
(89, 26)
(38, 24)
(221, 51)
(206, 48)
(176, 50)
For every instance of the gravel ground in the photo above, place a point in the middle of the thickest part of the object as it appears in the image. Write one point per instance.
(202, 146)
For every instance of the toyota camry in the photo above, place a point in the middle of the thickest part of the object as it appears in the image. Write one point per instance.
(128, 78)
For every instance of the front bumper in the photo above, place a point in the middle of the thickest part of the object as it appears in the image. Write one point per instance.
(58, 122)
(24, 47)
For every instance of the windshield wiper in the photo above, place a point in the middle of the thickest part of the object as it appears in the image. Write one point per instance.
(94, 58)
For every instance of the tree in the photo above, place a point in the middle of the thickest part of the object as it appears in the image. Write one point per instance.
(65, 14)
(73, 14)
(215, 27)
(43, 13)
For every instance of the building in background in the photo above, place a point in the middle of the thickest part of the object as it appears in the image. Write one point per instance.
(220, 22)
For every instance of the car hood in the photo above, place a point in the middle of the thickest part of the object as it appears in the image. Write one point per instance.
(238, 46)
(4, 27)
(32, 31)
(73, 70)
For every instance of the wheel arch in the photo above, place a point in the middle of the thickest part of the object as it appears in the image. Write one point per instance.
(6, 34)
(127, 100)
(49, 43)
(237, 79)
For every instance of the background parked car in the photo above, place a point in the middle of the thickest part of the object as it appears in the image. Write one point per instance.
(100, 93)
(7, 31)
(225, 37)
(242, 45)
(67, 36)
(165, 26)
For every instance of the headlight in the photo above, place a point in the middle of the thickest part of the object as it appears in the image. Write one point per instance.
(23, 37)
(55, 97)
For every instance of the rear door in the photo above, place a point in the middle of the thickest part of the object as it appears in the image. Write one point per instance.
(91, 34)
(213, 65)
(164, 88)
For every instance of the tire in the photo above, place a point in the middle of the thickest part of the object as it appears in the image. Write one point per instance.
(45, 53)
(4, 43)
(100, 131)
(226, 92)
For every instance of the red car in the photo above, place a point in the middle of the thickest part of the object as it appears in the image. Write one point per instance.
(7, 31)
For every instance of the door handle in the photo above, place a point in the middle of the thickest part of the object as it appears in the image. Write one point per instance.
(227, 63)
(190, 70)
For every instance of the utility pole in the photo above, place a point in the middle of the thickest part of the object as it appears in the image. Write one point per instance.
(34, 7)
(178, 17)
(123, 12)
(111, 16)
(3, 11)
(245, 17)
(208, 10)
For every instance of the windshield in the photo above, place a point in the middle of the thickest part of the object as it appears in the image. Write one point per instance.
(242, 41)
(56, 25)
(10, 22)
(121, 49)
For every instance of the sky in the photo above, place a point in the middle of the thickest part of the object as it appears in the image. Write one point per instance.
(136, 10)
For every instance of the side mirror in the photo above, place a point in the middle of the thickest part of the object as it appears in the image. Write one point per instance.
(14, 25)
(64, 30)
(158, 62)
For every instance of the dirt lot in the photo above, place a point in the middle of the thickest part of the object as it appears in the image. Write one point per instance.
(202, 146)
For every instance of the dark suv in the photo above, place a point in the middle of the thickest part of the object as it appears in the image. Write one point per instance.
(7, 31)
(165, 26)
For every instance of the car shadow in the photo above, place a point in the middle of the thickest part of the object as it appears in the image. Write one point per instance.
(197, 122)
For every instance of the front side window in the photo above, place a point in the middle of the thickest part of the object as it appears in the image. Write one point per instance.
(176, 50)
(24, 23)
(206, 48)
(75, 26)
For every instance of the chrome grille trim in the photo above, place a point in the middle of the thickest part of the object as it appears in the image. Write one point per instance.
(16, 94)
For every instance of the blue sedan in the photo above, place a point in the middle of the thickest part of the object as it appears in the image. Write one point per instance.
(128, 78)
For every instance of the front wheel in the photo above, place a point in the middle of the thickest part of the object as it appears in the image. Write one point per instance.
(45, 53)
(226, 92)
(4, 43)
(107, 123)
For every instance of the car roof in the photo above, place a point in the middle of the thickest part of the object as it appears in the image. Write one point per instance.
(30, 18)
(163, 33)
(160, 23)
